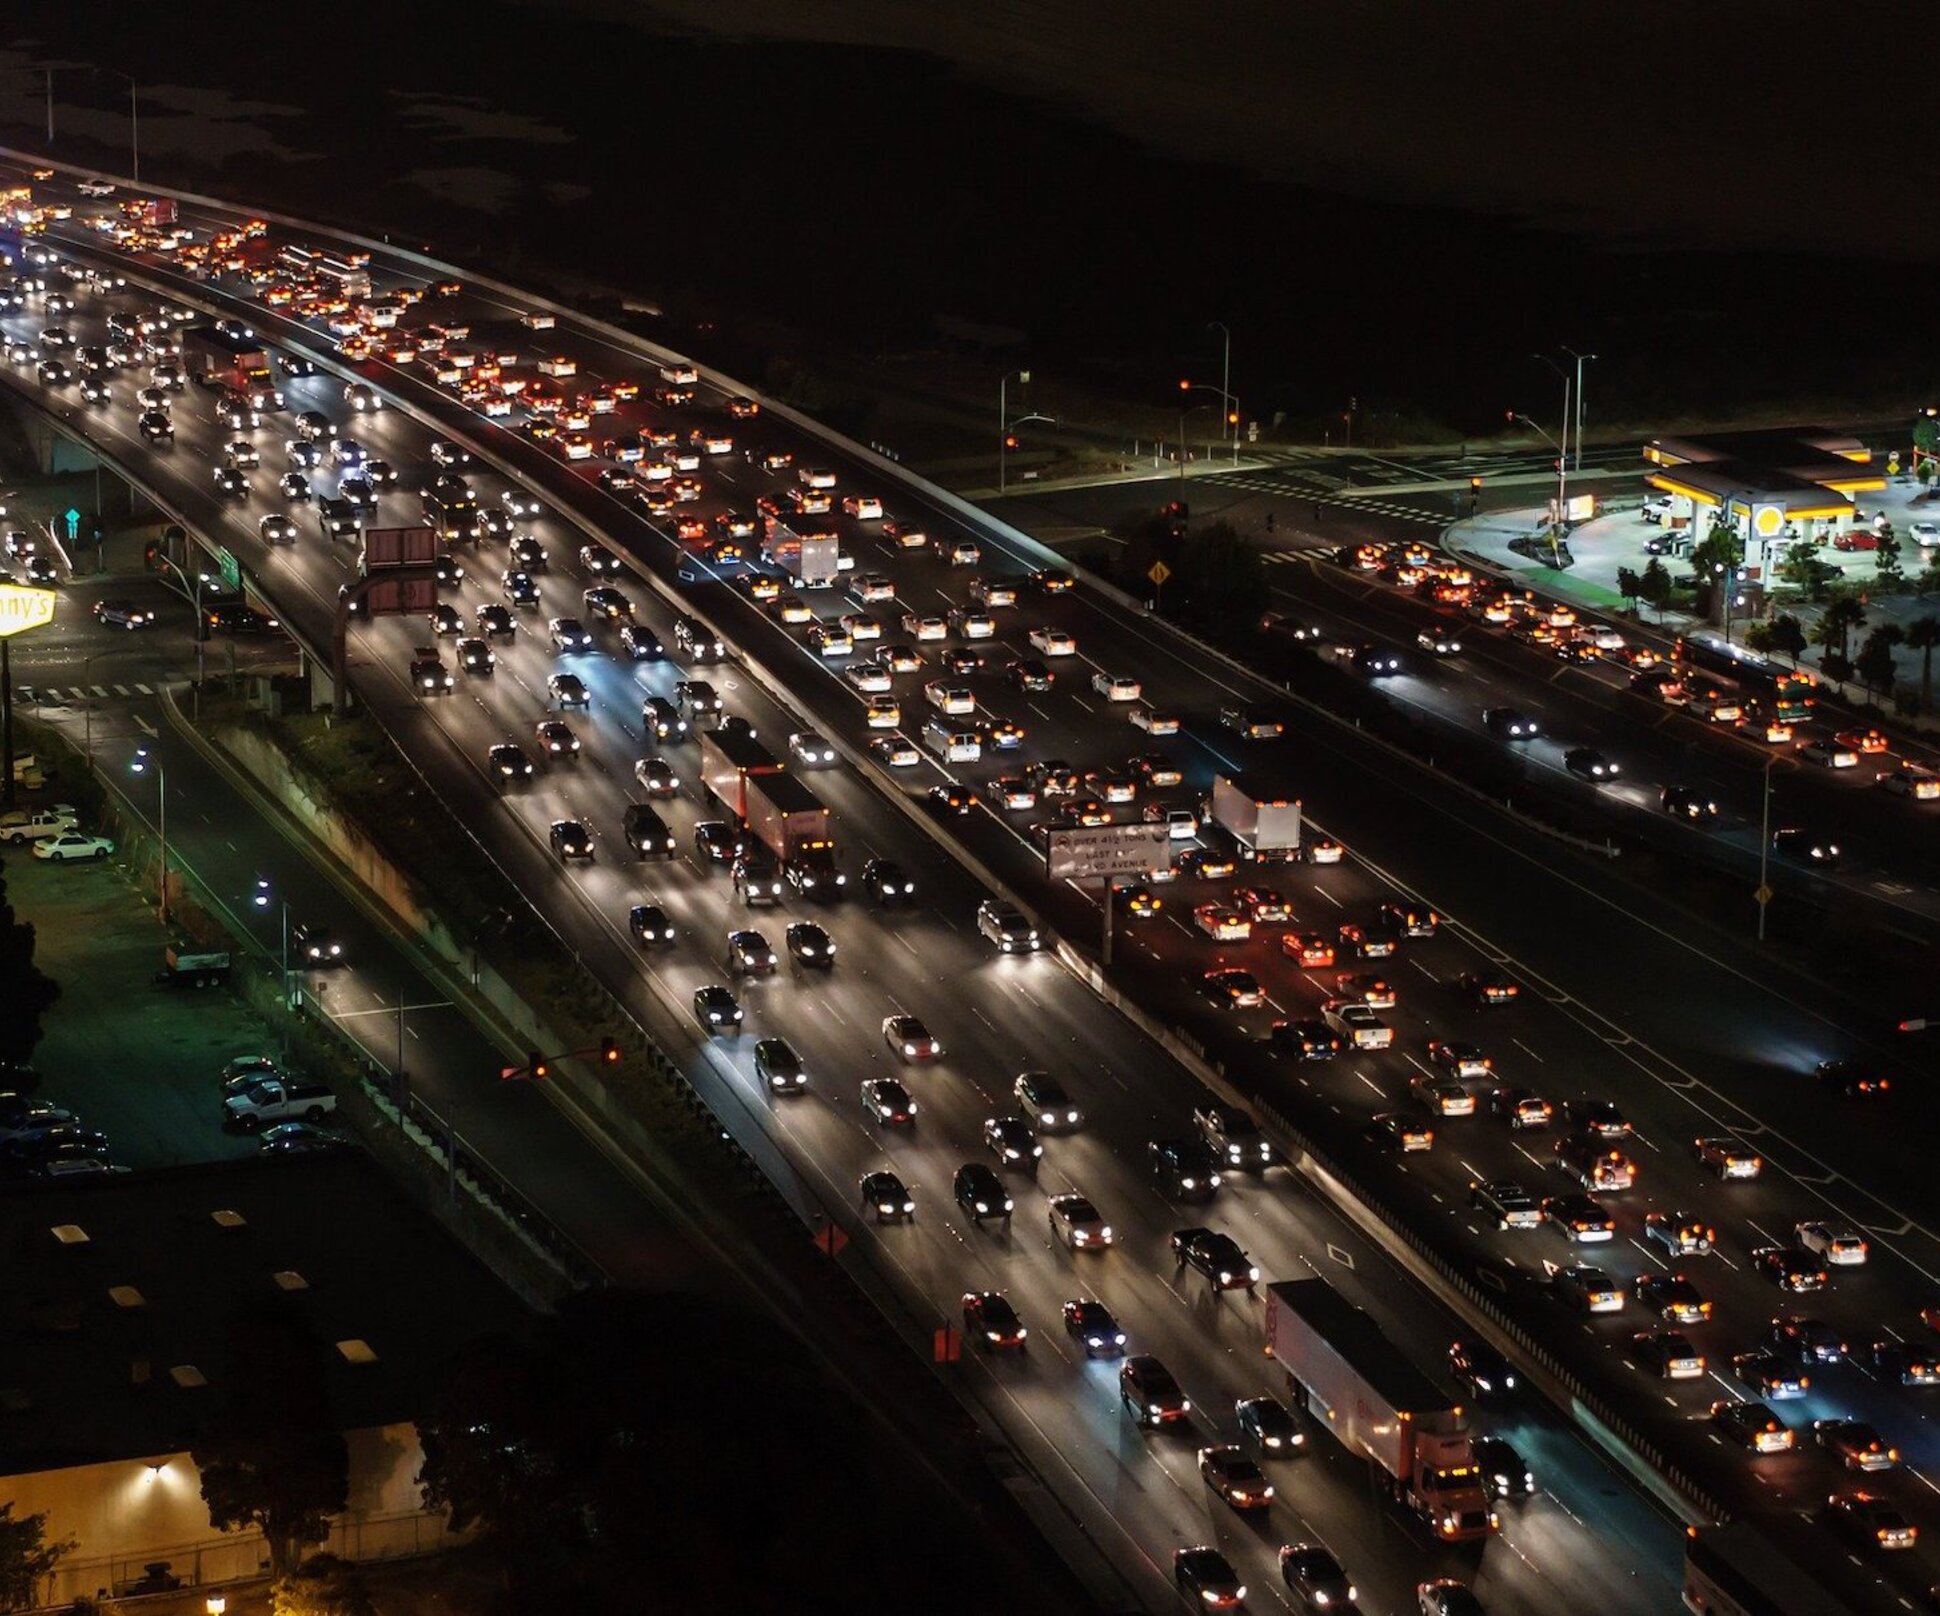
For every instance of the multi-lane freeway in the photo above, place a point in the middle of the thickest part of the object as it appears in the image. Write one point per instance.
(1585, 1026)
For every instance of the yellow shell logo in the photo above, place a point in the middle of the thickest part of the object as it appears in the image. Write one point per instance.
(1768, 521)
(22, 608)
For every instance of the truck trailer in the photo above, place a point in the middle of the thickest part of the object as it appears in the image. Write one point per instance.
(1348, 1376)
(729, 758)
(813, 560)
(1266, 827)
(215, 358)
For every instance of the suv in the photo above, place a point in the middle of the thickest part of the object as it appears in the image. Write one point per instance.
(1217, 1256)
(1184, 1168)
(1007, 927)
(1150, 1394)
(696, 641)
(1234, 1137)
(647, 833)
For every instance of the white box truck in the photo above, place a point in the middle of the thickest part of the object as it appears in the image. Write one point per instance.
(1265, 826)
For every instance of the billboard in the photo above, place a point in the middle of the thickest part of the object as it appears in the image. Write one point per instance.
(1100, 852)
(22, 608)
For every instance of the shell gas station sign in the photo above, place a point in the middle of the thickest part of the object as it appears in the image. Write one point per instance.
(1767, 521)
(22, 608)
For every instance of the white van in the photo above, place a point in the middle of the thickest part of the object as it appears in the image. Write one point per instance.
(953, 744)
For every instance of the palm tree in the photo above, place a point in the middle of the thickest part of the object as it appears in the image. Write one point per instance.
(1836, 623)
(1922, 635)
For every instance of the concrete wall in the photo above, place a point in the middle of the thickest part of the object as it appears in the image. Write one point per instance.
(127, 1513)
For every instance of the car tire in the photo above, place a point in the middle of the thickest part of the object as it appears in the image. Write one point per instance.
(314, 1114)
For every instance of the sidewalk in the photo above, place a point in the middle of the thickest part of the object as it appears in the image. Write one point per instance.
(1600, 546)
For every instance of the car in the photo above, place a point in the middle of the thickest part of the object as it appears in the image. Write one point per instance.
(1837, 1246)
(809, 945)
(716, 1009)
(1790, 1269)
(1728, 1158)
(1458, 1059)
(1233, 988)
(1305, 1040)
(716, 841)
(1594, 1163)
(650, 926)
(1912, 781)
(1076, 1224)
(1376, 661)
(888, 1102)
(1579, 1218)
(556, 739)
(1588, 1288)
(909, 1039)
(297, 1139)
(1439, 641)
(1752, 1424)
(1853, 1079)
(568, 634)
(1487, 990)
(1316, 1577)
(1827, 753)
(1511, 723)
(1234, 1136)
(1252, 723)
(1235, 1476)
(1508, 1203)
(1217, 1256)
(1150, 1393)
(981, 1193)
(568, 690)
(1091, 1323)
(1689, 804)
(1901, 1363)
(897, 750)
(1855, 1443)
(1672, 1298)
(508, 762)
(1312, 950)
(605, 604)
(1222, 923)
(313, 944)
(1669, 1353)
(1806, 847)
(951, 801)
(989, 1317)
(522, 589)
(1008, 927)
(1052, 642)
(276, 529)
(1010, 1140)
(1680, 1233)
(1600, 1119)
(1504, 1473)
(886, 881)
(1590, 764)
(1207, 1578)
(1398, 1131)
(1184, 1168)
(66, 846)
(778, 1068)
(1870, 1521)
(1441, 1096)
(1367, 942)
(749, 954)
(1769, 1376)
(571, 840)
(662, 720)
(495, 622)
(1478, 1367)
(1268, 1425)
(887, 1196)
(1446, 1596)
(1808, 1340)
(1116, 687)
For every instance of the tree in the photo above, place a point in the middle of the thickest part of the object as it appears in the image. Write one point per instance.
(1887, 559)
(1720, 549)
(273, 1457)
(27, 1559)
(1922, 635)
(1629, 584)
(1837, 622)
(1758, 637)
(1875, 664)
(31, 992)
(1654, 587)
(1788, 637)
(322, 1586)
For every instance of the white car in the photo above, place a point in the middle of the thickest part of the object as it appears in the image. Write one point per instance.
(1357, 1024)
(863, 507)
(1222, 924)
(871, 678)
(1152, 721)
(1835, 1247)
(952, 699)
(1076, 1223)
(1828, 754)
(72, 844)
(1925, 534)
(1052, 642)
(870, 587)
(923, 628)
(1116, 687)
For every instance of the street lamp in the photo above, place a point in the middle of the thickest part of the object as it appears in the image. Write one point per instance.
(134, 121)
(1186, 387)
(263, 898)
(141, 763)
(1226, 382)
(1581, 360)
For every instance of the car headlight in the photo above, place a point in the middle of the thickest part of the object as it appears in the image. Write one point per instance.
(909, 1049)
(1323, 1597)
(982, 1207)
(1188, 1184)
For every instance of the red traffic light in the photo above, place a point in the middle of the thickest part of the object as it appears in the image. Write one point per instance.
(1010, 440)
(1475, 484)
(1185, 385)
(609, 1052)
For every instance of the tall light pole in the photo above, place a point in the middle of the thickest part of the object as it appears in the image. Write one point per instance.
(142, 762)
(1226, 382)
(87, 708)
(1562, 472)
(263, 898)
(1023, 379)
(1186, 386)
(1764, 893)
(1581, 360)
(134, 120)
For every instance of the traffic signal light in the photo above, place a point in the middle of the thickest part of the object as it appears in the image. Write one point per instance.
(1010, 440)
(535, 1066)
(1475, 485)
(609, 1052)
(1232, 417)
(1185, 385)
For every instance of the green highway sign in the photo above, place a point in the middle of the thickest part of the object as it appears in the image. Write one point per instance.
(229, 567)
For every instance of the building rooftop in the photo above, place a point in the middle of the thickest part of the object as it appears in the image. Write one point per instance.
(122, 1292)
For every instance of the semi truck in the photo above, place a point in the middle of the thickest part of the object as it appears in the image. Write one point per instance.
(778, 810)
(1345, 1372)
(813, 560)
(215, 358)
(1265, 827)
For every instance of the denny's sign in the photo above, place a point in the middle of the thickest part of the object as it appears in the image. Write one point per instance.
(22, 608)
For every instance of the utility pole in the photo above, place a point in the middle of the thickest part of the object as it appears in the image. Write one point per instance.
(1226, 383)
(1581, 359)
(50, 108)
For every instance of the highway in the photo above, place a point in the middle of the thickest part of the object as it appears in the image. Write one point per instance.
(1449, 852)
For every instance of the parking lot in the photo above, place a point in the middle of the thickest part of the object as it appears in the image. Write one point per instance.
(135, 1060)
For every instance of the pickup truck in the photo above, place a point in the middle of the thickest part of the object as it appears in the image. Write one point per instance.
(31, 824)
(276, 1099)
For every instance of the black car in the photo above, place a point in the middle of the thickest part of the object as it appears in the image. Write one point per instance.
(520, 588)
(1511, 723)
(1306, 1040)
(1503, 1472)
(1207, 1578)
(778, 1067)
(647, 833)
(808, 944)
(495, 622)
(1690, 804)
(1185, 1169)
(314, 945)
(1316, 1576)
(650, 926)
(981, 1193)
(1092, 1323)
(662, 720)
(1853, 1079)
(1806, 847)
(571, 840)
(1481, 1369)
(1268, 1424)
(1030, 675)
(886, 881)
(715, 841)
(1590, 764)
(749, 953)
(297, 1139)
(641, 643)
(887, 1197)
(716, 1009)
(508, 762)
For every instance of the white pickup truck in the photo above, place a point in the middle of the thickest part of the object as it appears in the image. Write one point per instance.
(31, 824)
(276, 1099)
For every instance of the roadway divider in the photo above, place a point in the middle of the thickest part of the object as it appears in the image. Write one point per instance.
(1455, 1290)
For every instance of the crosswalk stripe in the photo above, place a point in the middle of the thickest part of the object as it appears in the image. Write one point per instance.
(146, 690)
(123, 690)
(100, 690)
